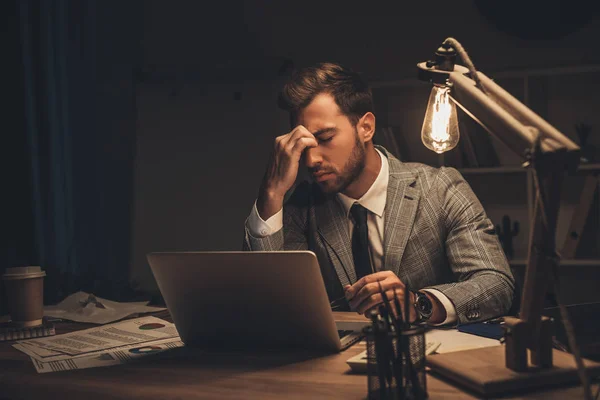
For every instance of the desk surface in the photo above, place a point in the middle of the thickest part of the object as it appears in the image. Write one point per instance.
(187, 373)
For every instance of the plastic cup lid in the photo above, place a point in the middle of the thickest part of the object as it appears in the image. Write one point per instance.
(23, 273)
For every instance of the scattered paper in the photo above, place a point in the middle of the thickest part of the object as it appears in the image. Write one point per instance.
(85, 307)
(129, 332)
(453, 340)
(359, 362)
(121, 355)
(101, 346)
(39, 352)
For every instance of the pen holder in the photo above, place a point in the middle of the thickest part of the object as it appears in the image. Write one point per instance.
(396, 364)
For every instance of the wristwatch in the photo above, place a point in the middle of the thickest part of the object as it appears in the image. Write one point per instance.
(423, 307)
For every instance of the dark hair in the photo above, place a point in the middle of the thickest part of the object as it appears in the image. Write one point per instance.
(349, 90)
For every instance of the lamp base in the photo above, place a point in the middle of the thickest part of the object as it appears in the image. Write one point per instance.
(483, 370)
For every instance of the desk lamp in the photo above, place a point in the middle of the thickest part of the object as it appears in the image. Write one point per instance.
(549, 153)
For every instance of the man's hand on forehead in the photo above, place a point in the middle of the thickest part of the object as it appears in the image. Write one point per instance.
(282, 170)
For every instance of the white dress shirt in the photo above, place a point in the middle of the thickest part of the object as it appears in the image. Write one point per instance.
(374, 201)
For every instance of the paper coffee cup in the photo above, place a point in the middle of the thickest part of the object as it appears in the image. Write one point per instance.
(25, 295)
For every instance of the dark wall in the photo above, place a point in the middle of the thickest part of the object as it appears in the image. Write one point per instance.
(207, 110)
(382, 39)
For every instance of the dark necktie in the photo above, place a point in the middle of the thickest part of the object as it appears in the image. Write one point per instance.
(360, 241)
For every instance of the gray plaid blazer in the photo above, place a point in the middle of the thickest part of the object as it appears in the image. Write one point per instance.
(436, 235)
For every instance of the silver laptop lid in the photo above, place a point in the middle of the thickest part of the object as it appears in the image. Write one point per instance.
(247, 299)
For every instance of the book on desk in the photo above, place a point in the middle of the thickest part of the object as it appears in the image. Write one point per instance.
(10, 332)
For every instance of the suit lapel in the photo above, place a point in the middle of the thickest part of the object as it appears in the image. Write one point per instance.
(400, 211)
(332, 225)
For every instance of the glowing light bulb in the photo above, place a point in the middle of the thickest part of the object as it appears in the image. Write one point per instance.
(440, 127)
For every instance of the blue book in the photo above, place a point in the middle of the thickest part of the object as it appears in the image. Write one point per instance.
(492, 330)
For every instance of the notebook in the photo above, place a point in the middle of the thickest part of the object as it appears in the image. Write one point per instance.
(10, 332)
(359, 362)
(249, 300)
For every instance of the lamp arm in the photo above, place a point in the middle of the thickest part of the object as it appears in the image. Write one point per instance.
(495, 119)
(518, 110)
(509, 120)
(526, 115)
(467, 60)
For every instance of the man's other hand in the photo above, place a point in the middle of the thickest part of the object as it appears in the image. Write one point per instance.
(366, 293)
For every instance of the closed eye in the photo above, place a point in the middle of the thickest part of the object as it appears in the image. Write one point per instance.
(325, 134)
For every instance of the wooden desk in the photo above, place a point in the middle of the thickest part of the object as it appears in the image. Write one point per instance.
(193, 374)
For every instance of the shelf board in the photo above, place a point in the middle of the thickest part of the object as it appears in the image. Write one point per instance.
(493, 170)
(563, 263)
(516, 169)
(589, 167)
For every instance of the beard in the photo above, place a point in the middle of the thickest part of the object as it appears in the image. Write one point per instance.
(350, 171)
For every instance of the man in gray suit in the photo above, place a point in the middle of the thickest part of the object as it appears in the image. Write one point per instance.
(378, 226)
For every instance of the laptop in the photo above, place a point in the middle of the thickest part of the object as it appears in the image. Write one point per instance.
(249, 300)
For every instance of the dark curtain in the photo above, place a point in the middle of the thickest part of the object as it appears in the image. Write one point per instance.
(16, 218)
(76, 139)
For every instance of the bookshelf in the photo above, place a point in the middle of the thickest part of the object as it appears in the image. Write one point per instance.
(504, 187)
(522, 262)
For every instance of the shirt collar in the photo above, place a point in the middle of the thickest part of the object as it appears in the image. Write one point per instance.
(374, 199)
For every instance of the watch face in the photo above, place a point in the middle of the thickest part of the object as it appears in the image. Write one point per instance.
(424, 305)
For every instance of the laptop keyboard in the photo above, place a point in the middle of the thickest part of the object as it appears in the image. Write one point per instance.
(344, 333)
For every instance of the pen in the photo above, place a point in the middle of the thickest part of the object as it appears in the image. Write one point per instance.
(381, 355)
(400, 319)
(387, 357)
(412, 374)
(398, 363)
(406, 309)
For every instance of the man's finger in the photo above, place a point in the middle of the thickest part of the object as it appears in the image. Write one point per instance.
(387, 289)
(393, 308)
(386, 285)
(301, 144)
(358, 285)
(369, 303)
(367, 290)
(375, 300)
(299, 130)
